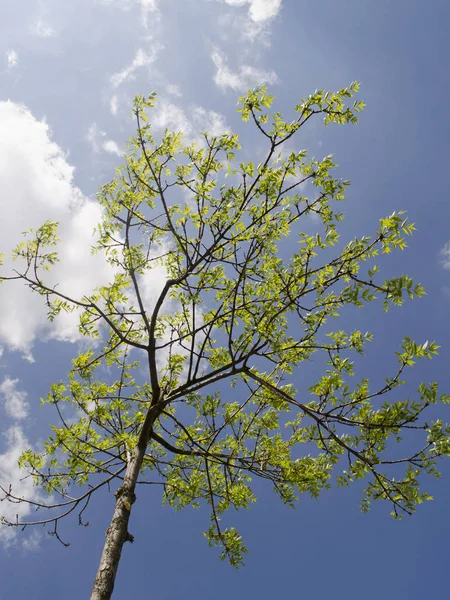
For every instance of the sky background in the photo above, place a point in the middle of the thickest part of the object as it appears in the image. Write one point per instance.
(68, 72)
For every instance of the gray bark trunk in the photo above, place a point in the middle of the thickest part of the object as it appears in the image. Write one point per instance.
(117, 533)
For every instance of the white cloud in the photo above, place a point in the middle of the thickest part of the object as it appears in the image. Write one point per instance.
(173, 89)
(114, 105)
(246, 77)
(262, 10)
(42, 29)
(124, 4)
(190, 122)
(111, 147)
(32, 542)
(92, 136)
(21, 486)
(234, 28)
(141, 59)
(259, 10)
(170, 116)
(151, 283)
(15, 401)
(36, 184)
(12, 59)
(148, 6)
(445, 256)
(210, 121)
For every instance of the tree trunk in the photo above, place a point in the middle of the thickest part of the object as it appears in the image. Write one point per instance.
(117, 533)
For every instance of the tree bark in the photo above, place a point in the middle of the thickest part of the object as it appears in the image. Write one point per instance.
(117, 533)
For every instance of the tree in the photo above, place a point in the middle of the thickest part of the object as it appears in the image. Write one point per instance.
(239, 307)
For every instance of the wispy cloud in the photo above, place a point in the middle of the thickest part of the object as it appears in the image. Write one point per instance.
(148, 6)
(32, 543)
(235, 28)
(190, 121)
(210, 121)
(95, 136)
(173, 89)
(246, 77)
(114, 105)
(12, 59)
(444, 256)
(141, 59)
(92, 136)
(43, 29)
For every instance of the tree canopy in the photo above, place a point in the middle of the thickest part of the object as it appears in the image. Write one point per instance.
(190, 385)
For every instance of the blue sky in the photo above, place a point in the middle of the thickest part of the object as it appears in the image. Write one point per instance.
(68, 73)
